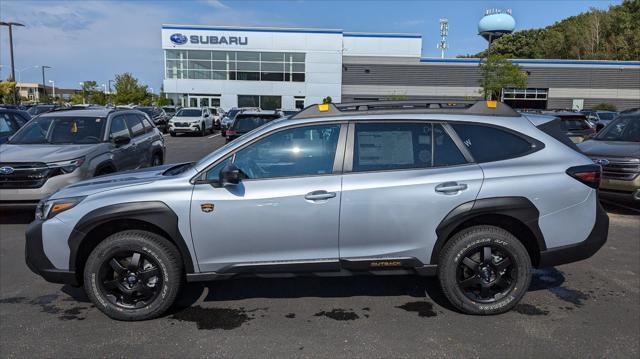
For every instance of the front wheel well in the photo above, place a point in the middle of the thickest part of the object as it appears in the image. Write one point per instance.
(510, 224)
(104, 230)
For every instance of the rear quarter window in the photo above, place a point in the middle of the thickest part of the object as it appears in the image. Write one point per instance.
(487, 143)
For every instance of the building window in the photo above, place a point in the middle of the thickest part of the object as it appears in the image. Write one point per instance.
(263, 102)
(299, 102)
(235, 65)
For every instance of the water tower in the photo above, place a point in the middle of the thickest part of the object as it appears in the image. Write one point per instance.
(495, 23)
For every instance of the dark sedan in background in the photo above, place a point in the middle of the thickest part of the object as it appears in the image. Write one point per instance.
(248, 121)
(157, 115)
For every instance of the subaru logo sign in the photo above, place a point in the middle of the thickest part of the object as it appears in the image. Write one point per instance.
(178, 39)
(6, 170)
(602, 161)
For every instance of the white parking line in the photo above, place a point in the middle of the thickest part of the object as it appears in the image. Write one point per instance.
(216, 135)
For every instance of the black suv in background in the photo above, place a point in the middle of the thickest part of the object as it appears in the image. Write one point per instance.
(575, 125)
(248, 121)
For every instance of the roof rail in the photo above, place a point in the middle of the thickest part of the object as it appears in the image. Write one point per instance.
(440, 106)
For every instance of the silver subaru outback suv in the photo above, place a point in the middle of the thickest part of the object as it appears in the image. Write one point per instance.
(63, 147)
(474, 193)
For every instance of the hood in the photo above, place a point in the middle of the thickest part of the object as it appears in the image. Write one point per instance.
(43, 153)
(610, 148)
(114, 181)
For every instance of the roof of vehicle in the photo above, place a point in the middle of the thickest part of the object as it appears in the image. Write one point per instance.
(478, 108)
(88, 112)
(258, 113)
(564, 114)
(193, 108)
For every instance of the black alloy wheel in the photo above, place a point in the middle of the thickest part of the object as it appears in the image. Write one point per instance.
(130, 279)
(486, 274)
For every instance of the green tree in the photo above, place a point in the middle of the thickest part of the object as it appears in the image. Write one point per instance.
(496, 73)
(327, 99)
(6, 92)
(98, 98)
(76, 98)
(162, 98)
(605, 107)
(128, 90)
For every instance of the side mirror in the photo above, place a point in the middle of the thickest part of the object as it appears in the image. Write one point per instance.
(229, 175)
(206, 115)
(121, 141)
(599, 126)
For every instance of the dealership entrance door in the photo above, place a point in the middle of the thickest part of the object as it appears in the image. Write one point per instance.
(204, 101)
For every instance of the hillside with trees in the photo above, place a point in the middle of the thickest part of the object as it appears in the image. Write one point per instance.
(612, 34)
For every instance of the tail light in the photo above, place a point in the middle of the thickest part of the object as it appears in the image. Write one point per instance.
(588, 174)
(231, 133)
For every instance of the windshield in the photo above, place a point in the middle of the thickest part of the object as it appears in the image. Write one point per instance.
(60, 130)
(169, 109)
(574, 123)
(248, 122)
(189, 113)
(607, 116)
(624, 128)
(36, 110)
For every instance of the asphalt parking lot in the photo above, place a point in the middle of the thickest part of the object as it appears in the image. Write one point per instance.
(585, 309)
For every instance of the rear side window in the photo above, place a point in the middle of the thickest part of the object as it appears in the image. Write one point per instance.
(394, 146)
(488, 144)
(135, 125)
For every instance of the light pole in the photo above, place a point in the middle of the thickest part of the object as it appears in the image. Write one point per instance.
(53, 87)
(44, 87)
(82, 87)
(10, 25)
(109, 97)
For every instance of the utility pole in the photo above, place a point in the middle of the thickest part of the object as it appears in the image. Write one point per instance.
(44, 86)
(10, 25)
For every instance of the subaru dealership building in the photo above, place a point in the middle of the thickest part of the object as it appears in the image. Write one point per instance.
(292, 68)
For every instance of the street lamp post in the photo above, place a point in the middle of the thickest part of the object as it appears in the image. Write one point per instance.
(53, 87)
(44, 87)
(10, 25)
(82, 86)
(109, 97)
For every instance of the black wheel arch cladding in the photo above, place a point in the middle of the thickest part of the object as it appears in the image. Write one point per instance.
(518, 208)
(154, 213)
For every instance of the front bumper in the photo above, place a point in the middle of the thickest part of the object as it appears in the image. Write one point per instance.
(38, 262)
(579, 251)
(190, 129)
(29, 197)
(620, 190)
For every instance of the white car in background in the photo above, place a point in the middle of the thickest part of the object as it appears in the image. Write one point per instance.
(192, 120)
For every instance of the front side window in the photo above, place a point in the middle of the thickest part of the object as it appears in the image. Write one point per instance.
(301, 151)
(118, 128)
(214, 173)
(396, 145)
(488, 144)
(135, 125)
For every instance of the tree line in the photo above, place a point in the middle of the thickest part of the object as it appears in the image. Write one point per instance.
(612, 34)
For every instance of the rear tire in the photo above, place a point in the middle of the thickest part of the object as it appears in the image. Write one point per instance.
(484, 270)
(133, 275)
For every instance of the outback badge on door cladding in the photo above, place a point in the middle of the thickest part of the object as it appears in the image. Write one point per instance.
(206, 207)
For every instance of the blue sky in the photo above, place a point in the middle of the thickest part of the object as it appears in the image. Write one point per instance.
(93, 40)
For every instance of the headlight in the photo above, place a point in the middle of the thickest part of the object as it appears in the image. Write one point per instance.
(48, 208)
(67, 166)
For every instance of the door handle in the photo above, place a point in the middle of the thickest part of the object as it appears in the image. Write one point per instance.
(449, 187)
(319, 195)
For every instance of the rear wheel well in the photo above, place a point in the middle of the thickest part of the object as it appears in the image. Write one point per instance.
(510, 224)
(104, 230)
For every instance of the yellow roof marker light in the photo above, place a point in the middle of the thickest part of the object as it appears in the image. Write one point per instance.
(74, 127)
(323, 107)
(492, 104)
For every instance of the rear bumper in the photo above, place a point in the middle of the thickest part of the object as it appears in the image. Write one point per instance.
(38, 262)
(579, 251)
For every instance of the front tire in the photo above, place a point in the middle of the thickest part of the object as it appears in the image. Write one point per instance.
(133, 275)
(172, 134)
(484, 270)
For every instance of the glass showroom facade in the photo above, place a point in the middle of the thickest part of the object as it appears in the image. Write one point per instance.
(235, 65)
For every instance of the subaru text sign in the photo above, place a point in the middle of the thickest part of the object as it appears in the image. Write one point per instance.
(180, 39)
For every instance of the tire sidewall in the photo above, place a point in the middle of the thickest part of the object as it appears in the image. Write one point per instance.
(462, 244)
(105, 251)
